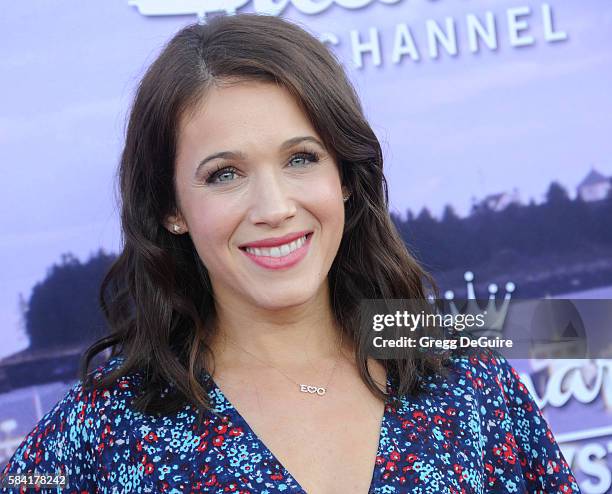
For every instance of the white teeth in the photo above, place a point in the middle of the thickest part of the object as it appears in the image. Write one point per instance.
(278, 251)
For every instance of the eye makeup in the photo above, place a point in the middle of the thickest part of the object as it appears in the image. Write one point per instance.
(222, 168)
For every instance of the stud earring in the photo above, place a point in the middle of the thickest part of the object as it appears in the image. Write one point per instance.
(346, 197)
(176, 228)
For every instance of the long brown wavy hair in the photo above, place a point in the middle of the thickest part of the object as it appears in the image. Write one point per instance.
(157, 296)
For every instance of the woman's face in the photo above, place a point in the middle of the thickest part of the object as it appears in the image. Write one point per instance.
(269, 184)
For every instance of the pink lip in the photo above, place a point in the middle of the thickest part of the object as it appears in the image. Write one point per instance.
(284, 262)
(275, 241)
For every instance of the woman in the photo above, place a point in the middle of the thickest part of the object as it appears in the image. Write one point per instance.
(254, 213)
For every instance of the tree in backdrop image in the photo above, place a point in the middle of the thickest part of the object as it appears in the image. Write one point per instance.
(559, 246)
(63, 309)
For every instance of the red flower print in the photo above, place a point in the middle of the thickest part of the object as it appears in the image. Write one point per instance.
(151, 437)
(235, 431)
(221, 429)
(553, 465)
(510, 439)
(105, 431)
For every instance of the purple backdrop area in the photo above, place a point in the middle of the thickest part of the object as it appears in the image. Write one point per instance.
(461, 118)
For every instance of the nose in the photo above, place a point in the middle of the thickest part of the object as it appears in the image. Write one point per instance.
(272, 201)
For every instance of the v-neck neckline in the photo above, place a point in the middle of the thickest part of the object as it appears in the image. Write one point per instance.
(287, 475)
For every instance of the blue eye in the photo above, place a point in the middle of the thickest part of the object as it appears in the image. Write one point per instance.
(221, 171)
(312, 157)
(214, 176)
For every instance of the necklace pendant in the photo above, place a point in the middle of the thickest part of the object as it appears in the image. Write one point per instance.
(313, 389)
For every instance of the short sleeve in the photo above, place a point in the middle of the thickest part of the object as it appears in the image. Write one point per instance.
(542, 462)
(59, 443)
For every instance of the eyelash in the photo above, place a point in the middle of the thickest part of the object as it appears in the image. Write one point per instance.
(312, 156)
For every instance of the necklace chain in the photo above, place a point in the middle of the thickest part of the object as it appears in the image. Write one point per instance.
(304, 388)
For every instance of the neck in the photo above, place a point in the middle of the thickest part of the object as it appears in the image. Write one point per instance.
(293, 337)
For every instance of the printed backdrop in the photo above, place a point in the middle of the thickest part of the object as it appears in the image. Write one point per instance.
(494, 119)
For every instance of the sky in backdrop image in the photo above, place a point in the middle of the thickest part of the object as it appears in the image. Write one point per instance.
(469, 98)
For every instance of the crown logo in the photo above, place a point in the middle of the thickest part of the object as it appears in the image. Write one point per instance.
(494, 317)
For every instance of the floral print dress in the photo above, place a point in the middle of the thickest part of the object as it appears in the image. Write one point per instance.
(476, 430)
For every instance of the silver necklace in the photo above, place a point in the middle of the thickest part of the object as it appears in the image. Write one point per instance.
(304, 388)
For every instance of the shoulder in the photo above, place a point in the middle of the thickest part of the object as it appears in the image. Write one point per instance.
(476, 370)
(484, 408)
(477, 377)
(65, 437)
(486, 387)
(83, 401)
(125, 385)
(486, 364)
(89, 399)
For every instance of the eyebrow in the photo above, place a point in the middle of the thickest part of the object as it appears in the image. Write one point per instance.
(240, 155)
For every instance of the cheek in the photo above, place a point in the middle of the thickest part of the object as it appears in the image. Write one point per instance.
(327, 208)
(210, 230)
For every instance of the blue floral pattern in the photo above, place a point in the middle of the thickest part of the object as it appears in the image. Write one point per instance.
(475, 431)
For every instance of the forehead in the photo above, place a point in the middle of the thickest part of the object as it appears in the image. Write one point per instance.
(230, 115)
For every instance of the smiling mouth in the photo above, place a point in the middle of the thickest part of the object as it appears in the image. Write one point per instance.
(279, 250)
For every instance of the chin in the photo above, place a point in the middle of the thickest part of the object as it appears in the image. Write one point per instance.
(282, 298)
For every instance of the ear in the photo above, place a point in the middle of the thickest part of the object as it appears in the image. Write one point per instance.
(175, 224)
(345, 191)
